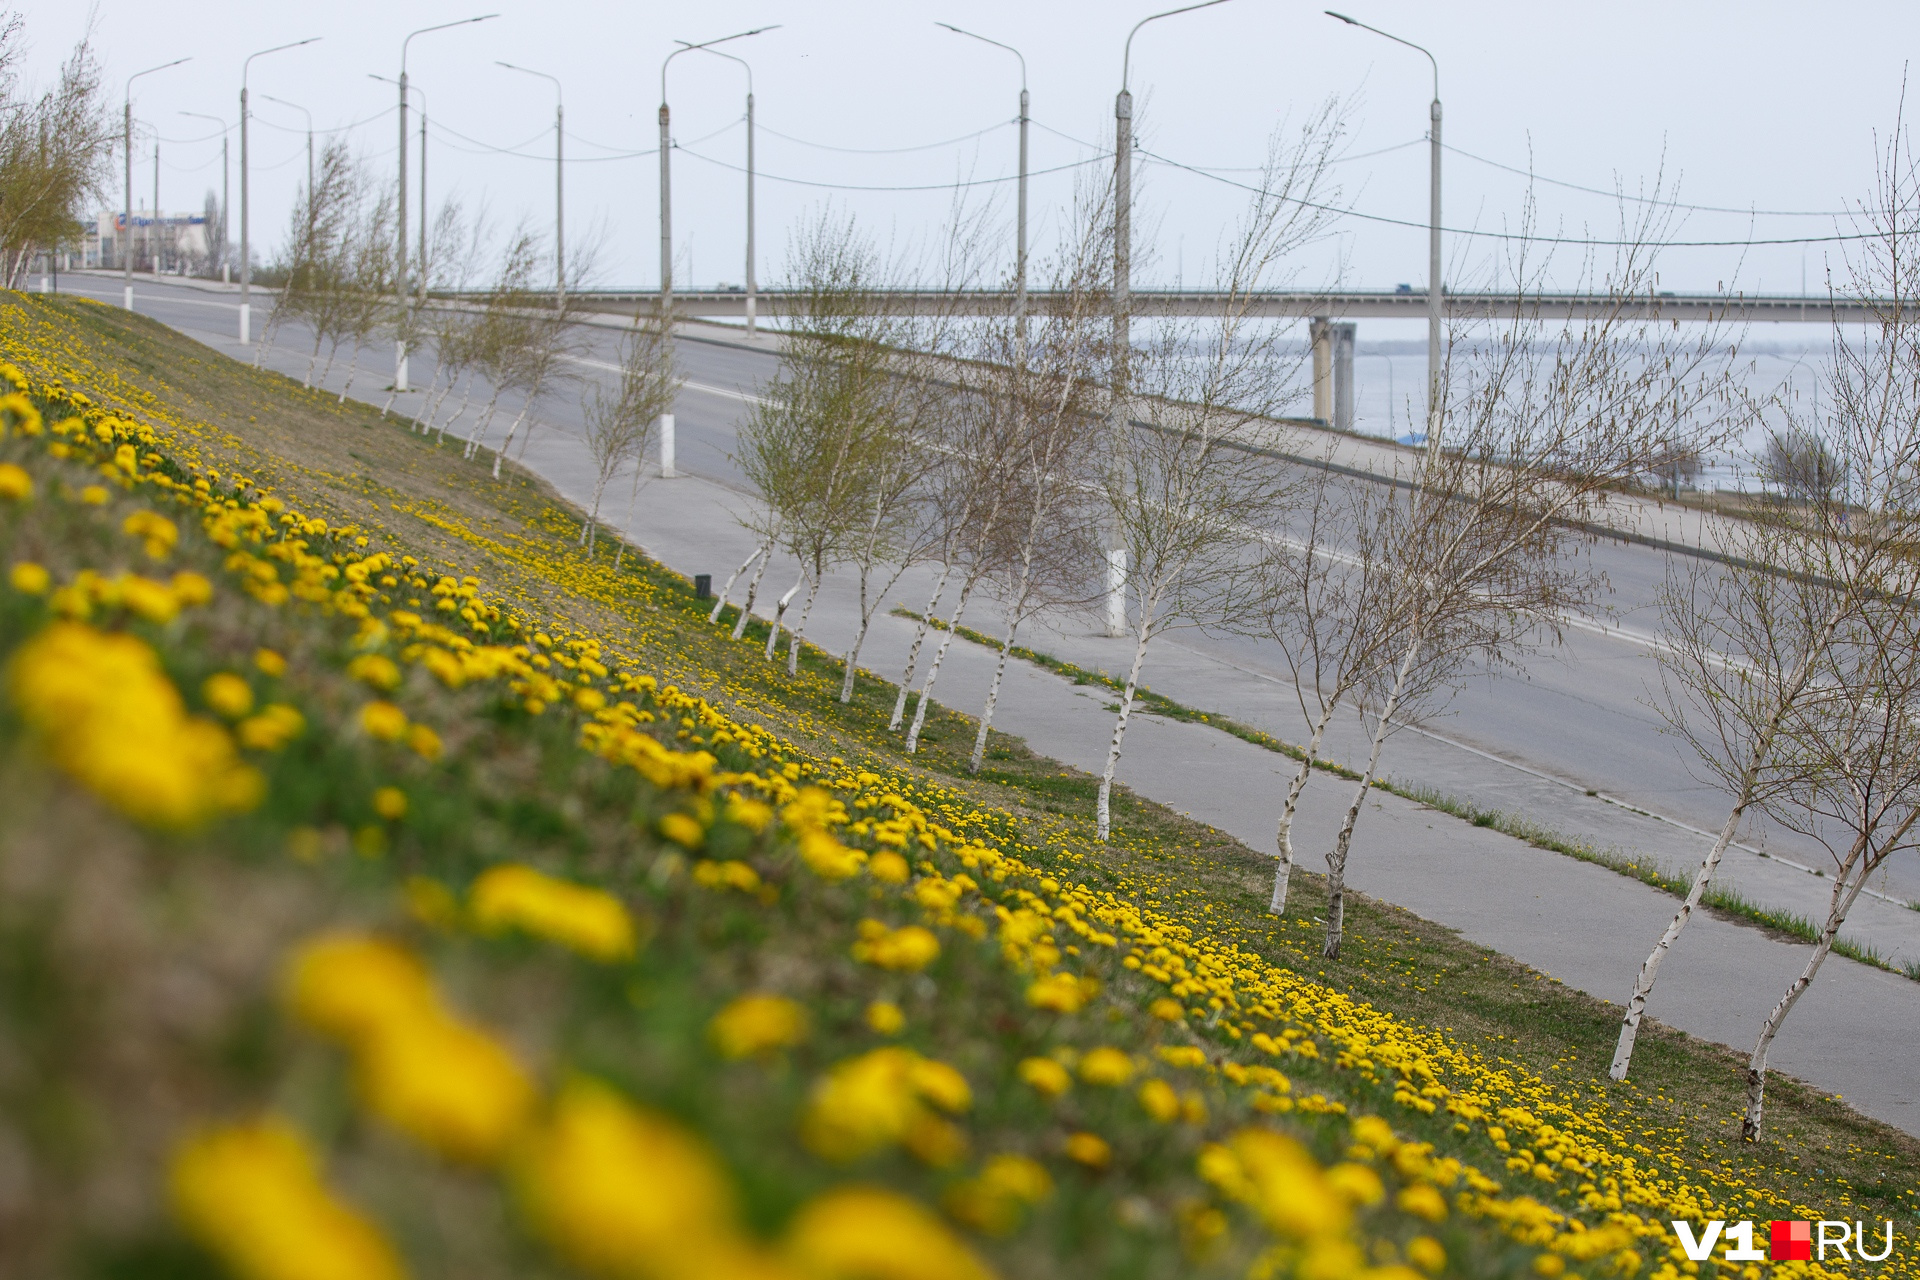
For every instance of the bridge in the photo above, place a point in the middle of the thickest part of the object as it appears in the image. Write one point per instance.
(1737, 308)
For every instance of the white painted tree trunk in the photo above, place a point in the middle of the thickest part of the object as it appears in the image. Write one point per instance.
(1749, 778)
(979, 755)
(753, 591)
(799, 630)
(780, 614)
(1103, 808)
(466, 399)
(507, 444)
(480, 425)
(1839, 903)
(913, 653)
(732, 578)
(1343, 843)
(353, 371)
(1283, 837)
(933, 670)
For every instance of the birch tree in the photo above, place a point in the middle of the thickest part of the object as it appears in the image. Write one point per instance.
(1186, 492)
(620, 425)
(1321, 590)
(1776, 639)
(822, 433)
(1539, 427)
(497, 331)
(54, 151)
(1857, 788)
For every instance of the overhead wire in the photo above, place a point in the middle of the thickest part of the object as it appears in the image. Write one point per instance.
(1509, 236)
(892, 151)
(931, 186)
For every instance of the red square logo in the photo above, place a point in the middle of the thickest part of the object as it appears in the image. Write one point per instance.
(1791, 1242)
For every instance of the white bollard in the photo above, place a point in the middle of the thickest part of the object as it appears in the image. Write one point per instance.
(127, 299)
(1117, 591)
(666, 447)
(246, 319)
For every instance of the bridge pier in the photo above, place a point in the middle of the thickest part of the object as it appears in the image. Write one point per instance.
(1332, 343)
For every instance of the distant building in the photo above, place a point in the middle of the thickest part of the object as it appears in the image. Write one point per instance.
(180, 239)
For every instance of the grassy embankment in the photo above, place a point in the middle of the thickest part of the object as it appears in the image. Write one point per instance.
(567, 827)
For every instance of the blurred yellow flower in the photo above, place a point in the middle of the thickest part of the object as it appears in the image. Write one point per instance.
(228, 694)
(885, 1018)
(1158, 1100)
(275, 726)
(994, 1200)
(1277, 1178)
(269, 663)
(252, 1194)
(390, 803)
(881, 1097)
(1423, 1200)
(93, 495)
(1106, 1066)
(619, 1191)
(590, 921)
(424, 742)
(1045, 1076)
(1167, 1010)
(113, 721)
(1427, 1254)
(754, 1024)
(448, 1086)
(383, 720)
(1089, 1149)
(157, 532)
(15, 484)
(908, 949)
(376, 671)
(865, 1233)
(29, 578)
(684, 830)
(1060, 992)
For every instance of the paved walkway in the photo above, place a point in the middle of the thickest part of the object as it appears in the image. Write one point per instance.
(1584, 925)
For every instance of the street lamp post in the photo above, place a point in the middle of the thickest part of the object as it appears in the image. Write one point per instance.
(400, 222)
(154, 239)
(246, 247)
(752, 295)
(1123, 294)
(420, 294)
(225, 172)
(1020, 234)
(1436, 291)
(559, 184)
(126, 142)
(666, 173)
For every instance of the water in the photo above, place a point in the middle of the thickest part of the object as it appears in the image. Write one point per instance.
(1390, 400)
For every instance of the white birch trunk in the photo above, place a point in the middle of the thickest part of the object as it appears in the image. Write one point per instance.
(979, 755)
(507, 444)
(1103, 808)
(353, 371)
(1283, 837)
(933, 670)
(799, 631)
(480, 424)
(732, 578)
(780, 615)
(466, 399)
(1749, 778)
(753, 592)
(1838, 906)
(1343, 843)
(913, 653)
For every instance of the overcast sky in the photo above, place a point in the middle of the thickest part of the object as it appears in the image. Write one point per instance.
(1760, 106)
